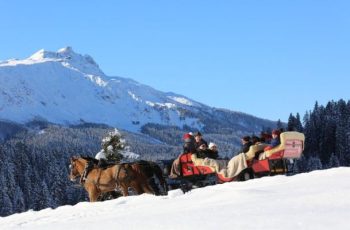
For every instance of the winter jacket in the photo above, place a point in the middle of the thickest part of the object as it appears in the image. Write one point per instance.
(198, 144)
(245, 147)
(208, 153)
(212, 154)
(202, 153)
(274, 143)
(189, 147)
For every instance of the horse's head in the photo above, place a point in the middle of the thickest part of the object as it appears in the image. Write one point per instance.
(75, 168)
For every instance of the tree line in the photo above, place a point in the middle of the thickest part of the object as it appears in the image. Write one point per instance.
(327, 139)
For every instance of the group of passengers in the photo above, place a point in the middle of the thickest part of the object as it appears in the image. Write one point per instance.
(272, 140)
(195, 143)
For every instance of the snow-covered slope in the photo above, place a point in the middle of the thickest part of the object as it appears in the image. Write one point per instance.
(66, 87)
(316, 200)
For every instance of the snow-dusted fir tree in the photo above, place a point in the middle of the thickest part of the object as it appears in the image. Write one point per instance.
(112, 146)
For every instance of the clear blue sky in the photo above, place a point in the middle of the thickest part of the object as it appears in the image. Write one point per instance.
(265, 58)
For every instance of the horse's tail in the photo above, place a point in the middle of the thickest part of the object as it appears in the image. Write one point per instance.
(142, 177)
(159, 174)
(151, 169)
(137, 168)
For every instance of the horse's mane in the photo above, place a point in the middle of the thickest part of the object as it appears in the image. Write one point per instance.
(88, 158)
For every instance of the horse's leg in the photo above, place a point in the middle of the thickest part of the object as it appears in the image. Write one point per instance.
(124, 189)
(93, 193)
(94, 196)
(147, 188)
(136, 186)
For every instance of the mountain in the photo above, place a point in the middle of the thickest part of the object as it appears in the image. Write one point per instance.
(65, 87)
(315, 200)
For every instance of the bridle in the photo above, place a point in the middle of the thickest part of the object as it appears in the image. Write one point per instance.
(74, 174)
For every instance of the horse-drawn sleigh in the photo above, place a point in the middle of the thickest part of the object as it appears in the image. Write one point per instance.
(194, 172)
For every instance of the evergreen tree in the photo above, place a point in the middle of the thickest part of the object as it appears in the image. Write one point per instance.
(298, 125)
(291, 126)
(341, 133)
(300, 165)
(10, 183)
(6, 205)
(279, 125)
(58, 183)
(113, 145)
(18, 201)
(294, 123)
(5, 201)
(42, 197)
(314, 163)
(334, 161)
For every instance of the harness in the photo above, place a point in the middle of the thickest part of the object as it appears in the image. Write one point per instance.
(88, 167)
(120, 167)
(117, 175)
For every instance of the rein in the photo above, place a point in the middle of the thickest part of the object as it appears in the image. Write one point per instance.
(117, 175)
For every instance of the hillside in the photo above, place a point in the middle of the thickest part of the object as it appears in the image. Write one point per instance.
(316, 200)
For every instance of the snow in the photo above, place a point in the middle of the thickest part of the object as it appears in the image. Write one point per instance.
(316, 200)
(182, 100)
(161, 105)
(133, 96)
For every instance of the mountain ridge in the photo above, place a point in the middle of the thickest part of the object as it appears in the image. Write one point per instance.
(65, 87)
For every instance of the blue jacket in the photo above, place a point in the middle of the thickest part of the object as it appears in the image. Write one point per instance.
(275, 142)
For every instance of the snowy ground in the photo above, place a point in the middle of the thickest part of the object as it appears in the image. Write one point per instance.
(316, 200)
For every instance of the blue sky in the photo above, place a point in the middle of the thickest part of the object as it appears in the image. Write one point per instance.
(265, 58)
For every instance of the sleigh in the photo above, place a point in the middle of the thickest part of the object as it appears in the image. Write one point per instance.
(278, 160)
(257, 163)
(190, 176)
(281, 159)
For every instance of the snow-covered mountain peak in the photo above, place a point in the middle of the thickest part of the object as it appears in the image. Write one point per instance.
(69, 58)
(67, 87)
(40, 55)
(66, 50)
(64, 53)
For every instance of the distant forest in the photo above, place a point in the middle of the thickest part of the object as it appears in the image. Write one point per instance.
(327, 133)
(34, 158)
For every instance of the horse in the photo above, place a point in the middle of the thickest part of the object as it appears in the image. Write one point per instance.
(99, 180)
(152, 170)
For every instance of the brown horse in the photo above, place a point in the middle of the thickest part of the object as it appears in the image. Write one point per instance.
(105, 180)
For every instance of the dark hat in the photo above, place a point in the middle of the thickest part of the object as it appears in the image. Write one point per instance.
(246, 138)
(197, 134)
